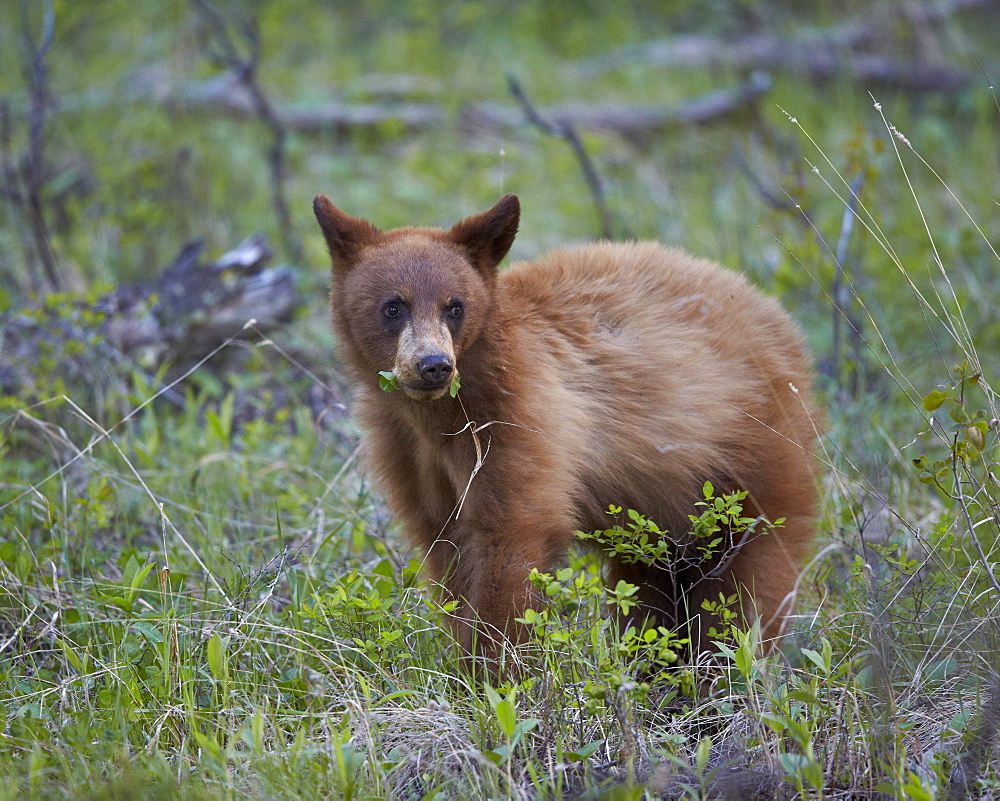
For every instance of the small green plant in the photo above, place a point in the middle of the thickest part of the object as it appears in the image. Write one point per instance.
(505, 713)
(719, 524)
(968, 428)
(642, 541)
(965, 476)
(361, 607)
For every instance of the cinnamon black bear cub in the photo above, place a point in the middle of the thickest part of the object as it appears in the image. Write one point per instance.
(624, 374)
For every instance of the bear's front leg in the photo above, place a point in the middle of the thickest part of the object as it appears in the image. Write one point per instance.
(495, 545)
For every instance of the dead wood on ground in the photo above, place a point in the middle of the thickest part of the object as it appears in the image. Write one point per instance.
(855, 49)
(176, 318)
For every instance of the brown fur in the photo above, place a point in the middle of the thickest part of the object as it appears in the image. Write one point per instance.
(630, 374)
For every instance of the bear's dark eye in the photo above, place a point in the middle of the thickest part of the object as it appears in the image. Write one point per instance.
(456, 310)
(390, 310)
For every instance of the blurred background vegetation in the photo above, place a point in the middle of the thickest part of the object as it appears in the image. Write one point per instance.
(139, 159)
(737, 129)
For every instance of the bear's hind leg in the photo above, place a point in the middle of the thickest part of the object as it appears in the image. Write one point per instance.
(761, 576)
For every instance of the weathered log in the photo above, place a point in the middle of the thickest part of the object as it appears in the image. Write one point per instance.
(197, 306)
(820, 54)
(176, 318)
(225, 94)
(756, 51)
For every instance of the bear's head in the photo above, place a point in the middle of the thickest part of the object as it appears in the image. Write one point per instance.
(410, 301)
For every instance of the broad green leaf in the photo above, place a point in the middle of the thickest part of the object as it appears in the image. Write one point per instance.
(584, 751)
(959, 414)
(794, 764)
(115, 600)
(702, 754)
(744, 657)
(506, 716)
(492, 696)
(940, 670)
(815, 658)
(499, 756)
(976, 435)
(129, 571)
(80, 664)
(149, 631)
(387, 381)
(933, 400)
(806, 697)
(139, 579)
(217, 663)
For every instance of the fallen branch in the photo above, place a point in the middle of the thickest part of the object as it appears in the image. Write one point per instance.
(241, 55)
(175, 319)
(564, 130)
(192, 306)
(226, 93)
(26, 175)
(821, 54)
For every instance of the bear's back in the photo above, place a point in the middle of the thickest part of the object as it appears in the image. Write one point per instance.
(677, 368)
(645, 289)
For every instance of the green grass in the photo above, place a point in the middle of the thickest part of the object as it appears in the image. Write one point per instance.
(213, 602)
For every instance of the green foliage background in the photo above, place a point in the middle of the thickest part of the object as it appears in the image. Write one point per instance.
(210, 602)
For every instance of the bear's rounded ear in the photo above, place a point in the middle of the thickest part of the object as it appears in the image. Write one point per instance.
(487, 237)
(345, 235)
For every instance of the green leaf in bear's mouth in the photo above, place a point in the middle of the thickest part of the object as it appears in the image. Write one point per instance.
(387, 381)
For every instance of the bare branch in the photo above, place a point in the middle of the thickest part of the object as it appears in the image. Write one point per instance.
(29, 179)
(638, 122)
(563, 130)
(634, 121)
(243, 60)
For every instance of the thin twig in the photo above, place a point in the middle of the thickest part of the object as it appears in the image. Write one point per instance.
(563, 130)
(968, 771)
(244, 62)
(964, 504)
(33, 170)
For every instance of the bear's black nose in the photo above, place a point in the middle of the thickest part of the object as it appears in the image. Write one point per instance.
(435, 368)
